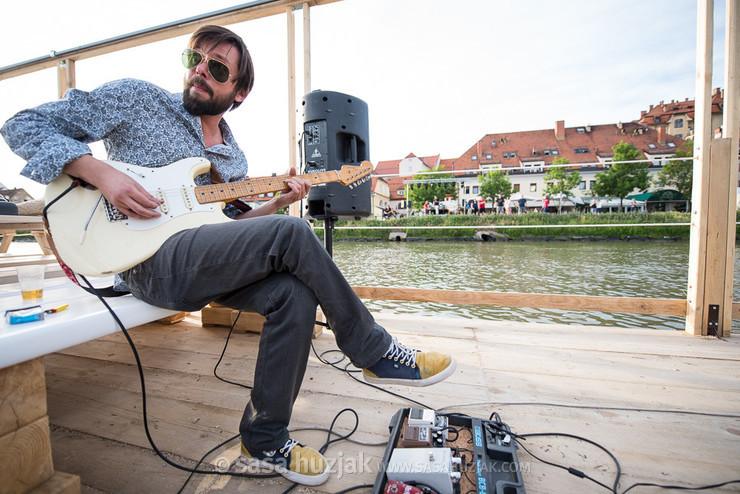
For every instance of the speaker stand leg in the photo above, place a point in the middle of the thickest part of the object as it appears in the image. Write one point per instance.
(329, 234)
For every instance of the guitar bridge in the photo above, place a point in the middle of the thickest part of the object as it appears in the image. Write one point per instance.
(112, 212)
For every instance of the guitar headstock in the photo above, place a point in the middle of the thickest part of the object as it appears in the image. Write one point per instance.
(350, 174)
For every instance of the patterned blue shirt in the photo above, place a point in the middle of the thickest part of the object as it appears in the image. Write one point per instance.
(138, 122)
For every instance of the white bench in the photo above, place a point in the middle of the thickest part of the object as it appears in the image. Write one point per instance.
(86, 319)
(25, 442)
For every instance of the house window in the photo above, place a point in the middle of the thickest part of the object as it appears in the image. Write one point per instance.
(591, 184)
(671, 145)
(533, 187)
(467, 190)
(582, 185)
(510, 155)
(517, 187)
(678, 124)
(581, 130)
(475, 190)
(475, 157)
(581, 150)
(401, 192)
(488, 156)
(651, 145)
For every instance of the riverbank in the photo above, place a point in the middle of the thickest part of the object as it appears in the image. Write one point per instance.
(659, 226)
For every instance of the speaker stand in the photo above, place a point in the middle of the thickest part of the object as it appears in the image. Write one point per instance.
(329, 234)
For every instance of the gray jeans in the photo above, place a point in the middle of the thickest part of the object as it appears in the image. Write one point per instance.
(275, 266)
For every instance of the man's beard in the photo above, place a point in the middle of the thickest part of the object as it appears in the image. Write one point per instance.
(198, 107)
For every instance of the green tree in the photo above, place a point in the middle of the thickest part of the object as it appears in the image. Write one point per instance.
(423, 192)
(560, 183)
(678, 174)
(621, 179)
(495, 183)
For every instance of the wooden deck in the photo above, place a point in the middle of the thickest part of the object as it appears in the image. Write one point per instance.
(620, 387)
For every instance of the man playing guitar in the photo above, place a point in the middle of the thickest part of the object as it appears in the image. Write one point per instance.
(266, 263)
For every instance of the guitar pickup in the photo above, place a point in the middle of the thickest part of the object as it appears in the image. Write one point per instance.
(186, 198)
(164, 207)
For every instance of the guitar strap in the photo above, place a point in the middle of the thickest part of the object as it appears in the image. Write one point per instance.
(107, 291)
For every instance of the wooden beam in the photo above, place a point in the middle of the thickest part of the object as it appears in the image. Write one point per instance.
(716, 268)
(731, 130)
(295, 208)
(306, 48)
(233, 15)
(700, 190)
(66, 78)
(670, 307)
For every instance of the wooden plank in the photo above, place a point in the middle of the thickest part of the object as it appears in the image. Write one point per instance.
(174, 318)
(695, 316)
(111, 466)
(730, 114)
(602, 383)
(673, 307)
(247, 321)
(183, 27)
(25, 457)
(20, 222)
(66, 77)
(43, 240)
(716, 268)
(7, 240)
(22, 395)
(60, 483)
(14, 261)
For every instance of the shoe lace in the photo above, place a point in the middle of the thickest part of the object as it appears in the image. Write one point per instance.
(288, 446)
(402, 353)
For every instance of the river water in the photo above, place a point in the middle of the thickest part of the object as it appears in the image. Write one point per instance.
(628, 269)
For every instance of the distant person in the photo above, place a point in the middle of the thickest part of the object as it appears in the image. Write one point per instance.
(436, 205)
(633, 205)
(481, 206)
(474, 205)
(499, 205)
(545, 204)
(592, 206)
(508, 204)
(522, 205)
(599, 205)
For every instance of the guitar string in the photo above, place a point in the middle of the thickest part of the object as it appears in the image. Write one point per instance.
(268, 182)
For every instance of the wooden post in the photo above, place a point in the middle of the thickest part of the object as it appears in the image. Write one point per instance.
(695, 316)
(65, 76)
(717, 299)
(295, 208)
(731, 130)
(306, 48)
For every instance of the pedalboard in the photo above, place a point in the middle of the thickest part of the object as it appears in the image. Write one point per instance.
(448, 454)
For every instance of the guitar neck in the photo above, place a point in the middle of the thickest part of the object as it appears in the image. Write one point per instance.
(255, 186)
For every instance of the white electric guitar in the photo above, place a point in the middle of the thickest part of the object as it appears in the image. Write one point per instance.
(94, 238)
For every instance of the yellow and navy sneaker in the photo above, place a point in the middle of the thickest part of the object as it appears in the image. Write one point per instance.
(294, 461)
(402, 365)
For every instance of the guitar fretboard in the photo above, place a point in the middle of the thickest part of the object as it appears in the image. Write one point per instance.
(205, 194)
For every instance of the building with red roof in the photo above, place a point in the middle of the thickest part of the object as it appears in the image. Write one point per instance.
(677, 117)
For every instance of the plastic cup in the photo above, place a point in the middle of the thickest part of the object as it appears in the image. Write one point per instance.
(31, 280)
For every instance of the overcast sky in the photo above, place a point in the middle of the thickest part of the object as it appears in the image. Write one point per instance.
(437, 75)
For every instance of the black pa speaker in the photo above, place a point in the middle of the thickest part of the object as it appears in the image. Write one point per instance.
(335, 133)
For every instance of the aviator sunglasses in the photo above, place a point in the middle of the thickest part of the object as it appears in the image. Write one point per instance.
(218, 70)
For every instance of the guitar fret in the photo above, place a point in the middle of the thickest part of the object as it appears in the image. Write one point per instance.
(264, 185)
